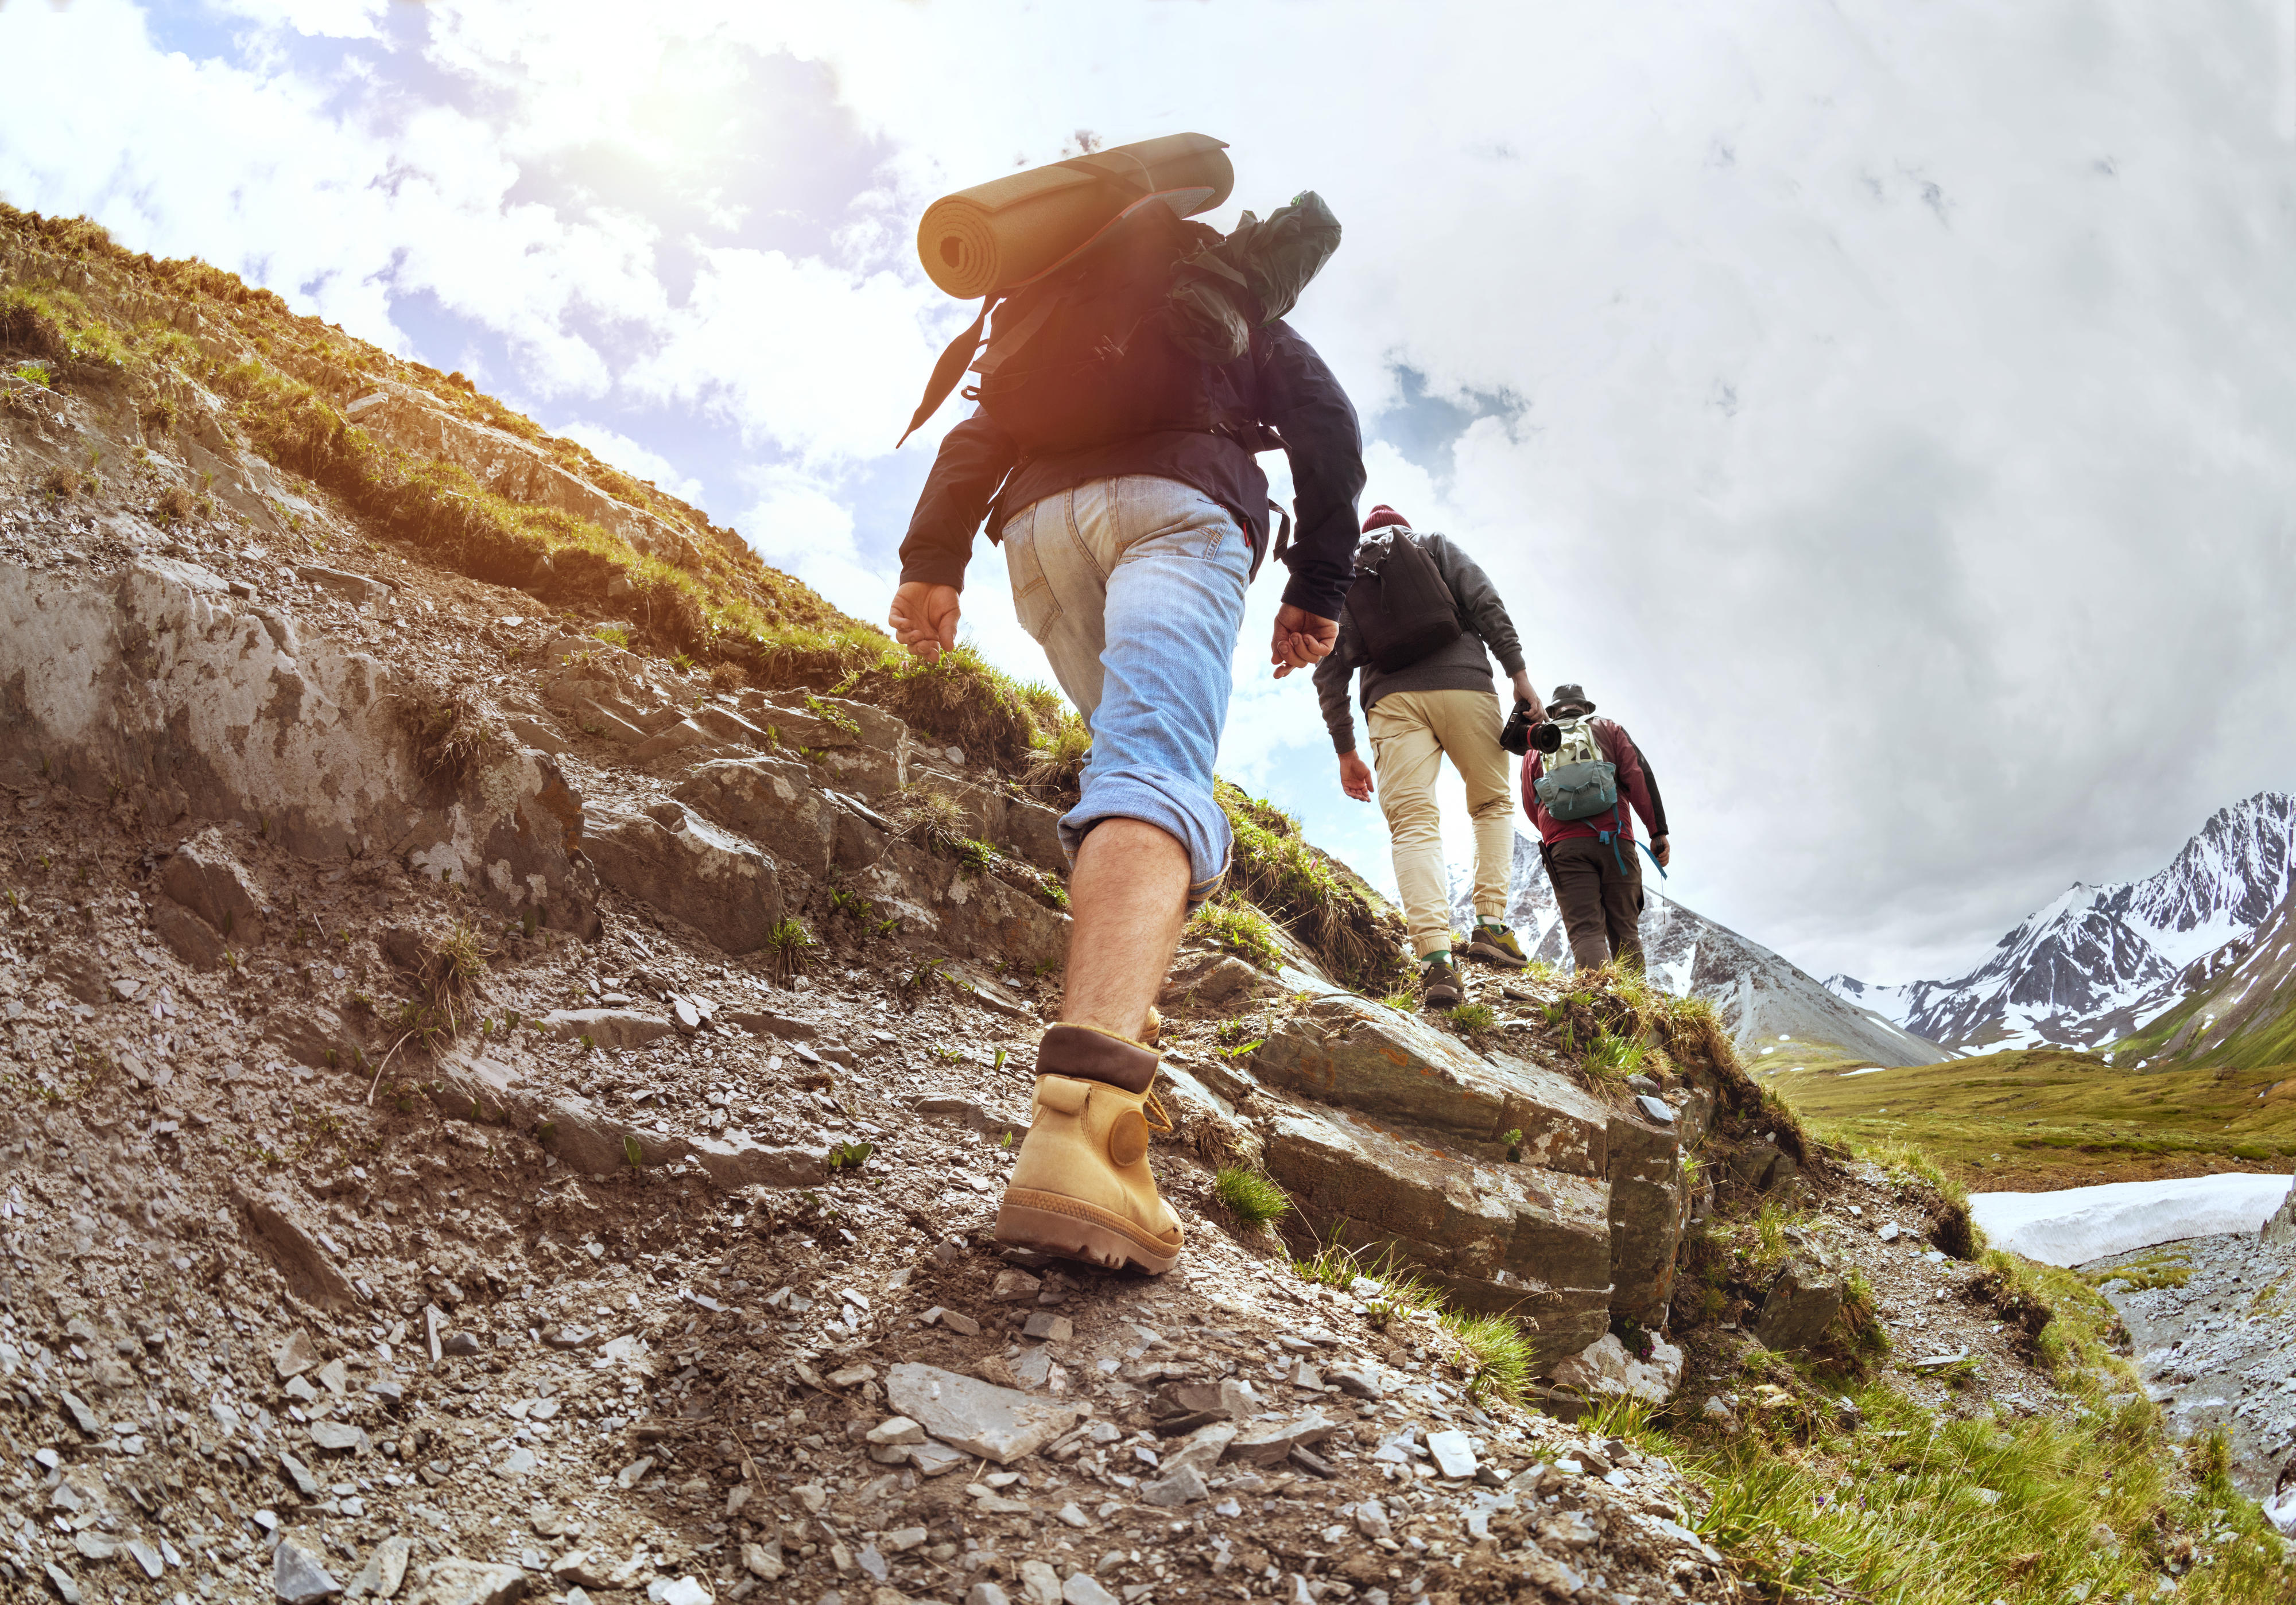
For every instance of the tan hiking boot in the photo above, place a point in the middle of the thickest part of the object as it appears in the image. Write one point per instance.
(1081, 1187)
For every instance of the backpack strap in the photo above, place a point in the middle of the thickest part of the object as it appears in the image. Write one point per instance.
(950, 368)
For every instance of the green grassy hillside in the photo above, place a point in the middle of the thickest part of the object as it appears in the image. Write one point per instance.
(2240, 1013)
(2038, 1118)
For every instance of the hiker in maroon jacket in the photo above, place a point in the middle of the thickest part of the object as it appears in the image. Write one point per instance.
(1590, 863)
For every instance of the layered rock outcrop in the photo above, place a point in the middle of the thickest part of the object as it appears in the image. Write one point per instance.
(159, 681)
(1495, 1175)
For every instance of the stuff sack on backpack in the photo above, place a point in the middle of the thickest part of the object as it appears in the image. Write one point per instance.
(1577, 782)
(1401, 607)
(1087, 356)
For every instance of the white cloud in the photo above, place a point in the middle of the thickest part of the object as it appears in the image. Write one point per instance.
(821, 360)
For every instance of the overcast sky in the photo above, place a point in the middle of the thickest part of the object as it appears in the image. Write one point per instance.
(1885, 410)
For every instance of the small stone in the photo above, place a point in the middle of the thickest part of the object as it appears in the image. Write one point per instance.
(1357, 1382)
(930, 1459)
(811, 1496)
(896, 1430)
(1080, 1589)
(902, 1540)
(1074, 1515)
(1014, 1287)
(634, 1473)
(75, 1409)
(577, 1569)
(685, 1590)
(385, 1568)
(1890, 1233)
(1371, 1522)
(147, 1558)
(519, 1462)
(852, 1376)
(334, 1377)
(461, 1345)
(337, 1438)
(1184, 1486)
(1040, 1582)
(1051, 1328)
(987, 1593)
(94, 1545)
(1452, 1453)
(299, 1389)
(68, 1590)
(298, 1476)
(296, 1356)
(299, 1576)
(963, 1325)
(455, 1581)
(998, 1424)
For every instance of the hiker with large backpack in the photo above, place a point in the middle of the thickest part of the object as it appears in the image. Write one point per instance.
(1416, 623)
(1579, 779)
(1126, 387)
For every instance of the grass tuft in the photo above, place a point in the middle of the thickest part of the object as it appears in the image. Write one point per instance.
(1331, 910)
(1234, 925)
(1496, 1351)
(1250, 1196)
(792, 945)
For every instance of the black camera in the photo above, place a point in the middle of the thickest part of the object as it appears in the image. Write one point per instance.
(1525, 729)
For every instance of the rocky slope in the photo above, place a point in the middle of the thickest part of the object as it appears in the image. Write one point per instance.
(2101, 963)
(1776, 1011)
(2213, 1323)
(495, 1112)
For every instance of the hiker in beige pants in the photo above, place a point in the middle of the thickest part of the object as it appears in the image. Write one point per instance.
(1411, 731)
(1433, 700)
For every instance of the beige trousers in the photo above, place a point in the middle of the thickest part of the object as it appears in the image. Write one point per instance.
(1411, 732)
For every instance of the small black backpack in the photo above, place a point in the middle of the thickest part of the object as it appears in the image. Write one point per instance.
(1401, 609)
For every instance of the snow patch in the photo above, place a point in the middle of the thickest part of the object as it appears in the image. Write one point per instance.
(2076, 1224)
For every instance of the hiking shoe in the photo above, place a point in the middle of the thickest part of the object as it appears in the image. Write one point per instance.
(1081, 1187)
(1496, 945)
(1439, 987)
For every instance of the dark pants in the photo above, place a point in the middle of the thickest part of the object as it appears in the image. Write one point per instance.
(1602, 908)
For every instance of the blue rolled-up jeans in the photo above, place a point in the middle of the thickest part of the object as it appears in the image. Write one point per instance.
(1135, 586)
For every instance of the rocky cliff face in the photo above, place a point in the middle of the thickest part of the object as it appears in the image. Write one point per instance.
(2101, 963)
(1770, 1006)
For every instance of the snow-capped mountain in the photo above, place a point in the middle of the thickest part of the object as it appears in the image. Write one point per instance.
(1764, 1002)
(2101, 961)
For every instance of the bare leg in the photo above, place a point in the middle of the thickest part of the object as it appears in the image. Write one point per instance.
(1128, 896)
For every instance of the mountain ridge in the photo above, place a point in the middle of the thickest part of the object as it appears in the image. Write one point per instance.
(2103, 962)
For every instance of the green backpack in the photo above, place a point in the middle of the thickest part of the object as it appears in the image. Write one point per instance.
(1577, 780)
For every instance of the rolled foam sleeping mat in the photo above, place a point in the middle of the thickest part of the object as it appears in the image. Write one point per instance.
(997, 234)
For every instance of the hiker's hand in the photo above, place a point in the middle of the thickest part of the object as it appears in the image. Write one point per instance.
(1301, 639)
(1660, 851)
(1524, 692)
(1355, 777)
(924, 618)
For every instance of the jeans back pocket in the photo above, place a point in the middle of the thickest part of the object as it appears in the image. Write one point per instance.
(1033, 602)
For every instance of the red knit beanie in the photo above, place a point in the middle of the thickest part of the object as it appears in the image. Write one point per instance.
(1381, 516)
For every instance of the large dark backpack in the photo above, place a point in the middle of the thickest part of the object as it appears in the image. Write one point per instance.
(1401, 607)
(1089, 355)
